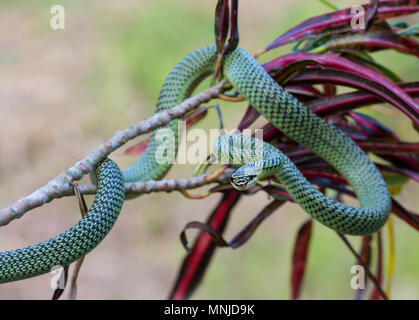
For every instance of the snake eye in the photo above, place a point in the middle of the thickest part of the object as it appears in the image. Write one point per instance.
(251, 177)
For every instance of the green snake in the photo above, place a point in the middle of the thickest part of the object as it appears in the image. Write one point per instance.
(281, 109)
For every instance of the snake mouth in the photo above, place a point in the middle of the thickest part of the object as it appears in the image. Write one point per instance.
(240, 188)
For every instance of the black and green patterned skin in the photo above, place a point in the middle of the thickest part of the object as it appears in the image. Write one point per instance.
(264, 160)
(76, 241)
(281, 109)
(295, 120)
(89, 231)
(178, 86)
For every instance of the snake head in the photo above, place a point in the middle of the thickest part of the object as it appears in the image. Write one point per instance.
(243, 182)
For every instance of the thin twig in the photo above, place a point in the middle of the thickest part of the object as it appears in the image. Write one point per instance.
(77, 266)
(73, 290)
(60, 286)
(362, 262)
(61, 185)
(142, 187)
(73, 286)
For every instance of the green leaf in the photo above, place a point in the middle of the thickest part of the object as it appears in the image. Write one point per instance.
(395, 182)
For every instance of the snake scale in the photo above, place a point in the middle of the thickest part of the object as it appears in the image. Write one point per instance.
(281, 109)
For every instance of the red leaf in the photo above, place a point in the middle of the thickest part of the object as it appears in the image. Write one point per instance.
(244, 235)
(279, 192)
(371, 127)
(374, 129)
(313, 76)
(340, 21)
(376, 295)
(350, 101)
(378, 147)
(196, 262)
(365, 254)
(372, 40)
(370, 276)
(270, 132)
(137, 149)
(310, 174)
(404, 214)
(240, 238)
(299, 258)
(196, 117)
(350, 72)
(372, 13)
(306, 90)
(250, 116)
(221, 24)
(233, 41)
(390, 147)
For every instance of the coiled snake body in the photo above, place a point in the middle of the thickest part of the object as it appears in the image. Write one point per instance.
(281, 109)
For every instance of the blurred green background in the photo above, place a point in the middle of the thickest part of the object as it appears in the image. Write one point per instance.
(63, 92)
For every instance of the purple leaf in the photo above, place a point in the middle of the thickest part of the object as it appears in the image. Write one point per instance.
(250, 116)
(353, 100)
(233, 41)
(299, 258)
(277, 192)
(409, 217)
(365, 255)
(394, 96)
(310, 174)
(371, 13)
(221, 24)
(340, 22)
(373, 278)
(389, 147)
(376, 295)
(305, 90)
(244, 235)
(372, 80)
(371, 127)
(240, 238)
(196, 262)
(372, 41)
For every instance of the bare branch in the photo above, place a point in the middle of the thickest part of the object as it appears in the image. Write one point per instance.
(60, 186)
